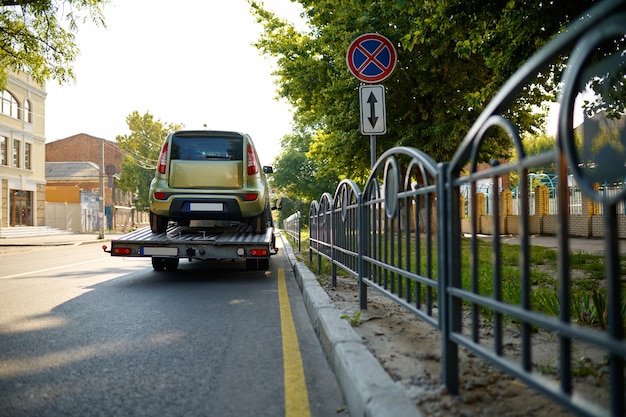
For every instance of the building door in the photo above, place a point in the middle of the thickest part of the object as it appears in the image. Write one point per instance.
(21, 208)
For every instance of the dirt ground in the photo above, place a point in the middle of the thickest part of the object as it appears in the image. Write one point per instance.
(410, 351)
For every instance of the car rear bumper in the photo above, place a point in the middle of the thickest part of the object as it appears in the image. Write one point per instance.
(207, 208)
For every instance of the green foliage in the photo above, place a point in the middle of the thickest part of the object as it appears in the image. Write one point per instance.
(587, 307)
(355, 319)
(538, 144)
(289, 207)
(298, 177)
(453, 56)
(37, 36)
(142, 147)
(546, 300)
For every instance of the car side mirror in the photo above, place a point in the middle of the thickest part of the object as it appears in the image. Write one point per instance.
(268, 169)
(278, 204)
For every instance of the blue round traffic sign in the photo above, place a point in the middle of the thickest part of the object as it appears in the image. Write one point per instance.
(371, 58)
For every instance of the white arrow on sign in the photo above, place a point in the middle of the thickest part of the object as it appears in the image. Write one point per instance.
(373, 118)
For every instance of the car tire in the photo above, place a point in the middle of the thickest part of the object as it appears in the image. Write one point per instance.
(259, 223)
(158, 224)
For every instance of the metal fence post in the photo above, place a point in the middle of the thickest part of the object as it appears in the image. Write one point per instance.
(361, 245)
(333, 250)
(448, 232)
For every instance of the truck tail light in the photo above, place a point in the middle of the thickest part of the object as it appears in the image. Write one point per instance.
(252, 165)
(259, 252)
(163, 159)
(121, 251)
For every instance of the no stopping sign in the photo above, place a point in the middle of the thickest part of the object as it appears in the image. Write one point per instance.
(371, 58)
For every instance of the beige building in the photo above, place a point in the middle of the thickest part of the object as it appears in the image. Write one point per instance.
(22, 152)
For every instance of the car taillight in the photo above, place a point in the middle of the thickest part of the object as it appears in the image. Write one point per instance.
(163, 159)
(252, 166)
(251, 197)
(159, 195)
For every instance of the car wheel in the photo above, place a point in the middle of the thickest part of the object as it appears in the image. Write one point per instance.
(259, 223)
(158, 224)
(164, 264)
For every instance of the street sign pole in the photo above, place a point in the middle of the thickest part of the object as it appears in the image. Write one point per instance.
(371, 58)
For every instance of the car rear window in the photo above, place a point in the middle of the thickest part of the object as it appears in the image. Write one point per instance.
(207, 148)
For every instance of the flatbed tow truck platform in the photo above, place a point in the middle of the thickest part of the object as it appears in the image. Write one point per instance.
(237, 241)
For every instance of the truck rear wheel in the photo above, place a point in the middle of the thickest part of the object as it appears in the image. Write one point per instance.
(261, 264)
(164, 264)
(264, 264)
(252, 264)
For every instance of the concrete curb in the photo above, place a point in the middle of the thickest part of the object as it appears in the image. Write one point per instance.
(367, 388)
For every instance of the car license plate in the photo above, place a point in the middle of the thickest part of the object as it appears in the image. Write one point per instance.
(206, 207)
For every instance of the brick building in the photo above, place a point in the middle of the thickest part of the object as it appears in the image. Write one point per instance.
(73, 178)
(82, 148)
(86, 148)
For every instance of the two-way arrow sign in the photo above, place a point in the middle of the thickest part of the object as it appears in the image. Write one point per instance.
(373, 119)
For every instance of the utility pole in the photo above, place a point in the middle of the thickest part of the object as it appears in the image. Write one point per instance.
(101, 214)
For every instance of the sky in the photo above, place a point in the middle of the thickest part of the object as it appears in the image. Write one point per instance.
(191, 64)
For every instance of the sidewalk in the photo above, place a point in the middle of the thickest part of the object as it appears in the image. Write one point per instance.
(65, 239)
(367, 387)
(594, 246)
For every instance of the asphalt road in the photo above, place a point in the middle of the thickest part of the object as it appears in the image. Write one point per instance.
(85, 334)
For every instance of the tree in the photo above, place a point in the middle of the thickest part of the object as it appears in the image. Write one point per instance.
(536, 145)
(299, 177)
(142, 147)
(453, 56)
(33, 38)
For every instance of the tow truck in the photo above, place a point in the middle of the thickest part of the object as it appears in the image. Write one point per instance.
(221, 242)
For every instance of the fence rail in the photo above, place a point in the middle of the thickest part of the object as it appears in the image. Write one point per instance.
(292, 226)
(402, 233)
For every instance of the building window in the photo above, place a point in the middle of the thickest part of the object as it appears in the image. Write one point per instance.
(4, 142)
(28, 111)
(9, 105)
(27, 147)
(16, 153)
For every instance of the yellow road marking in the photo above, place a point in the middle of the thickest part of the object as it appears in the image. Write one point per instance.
(296, 396)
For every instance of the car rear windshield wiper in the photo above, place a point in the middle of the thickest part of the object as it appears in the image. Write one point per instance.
(219, 157)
